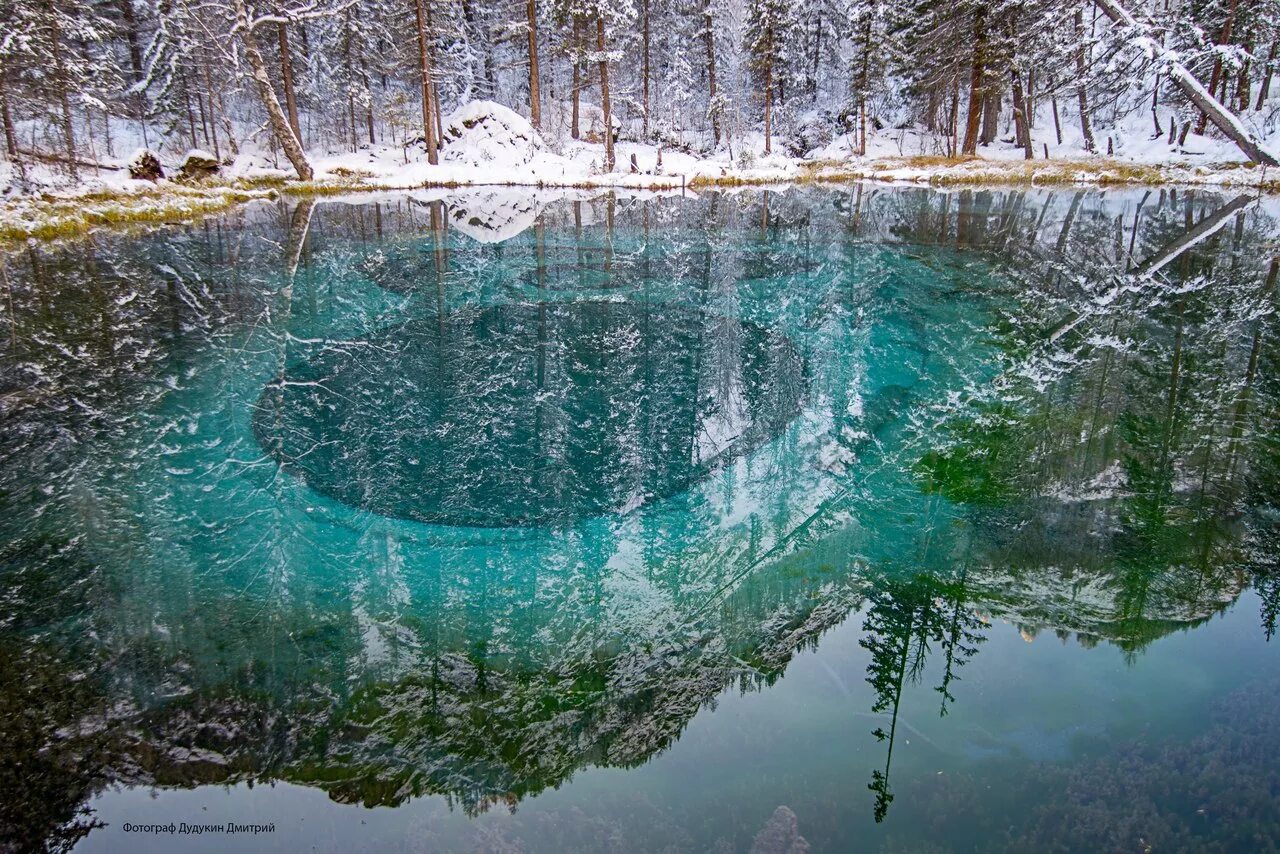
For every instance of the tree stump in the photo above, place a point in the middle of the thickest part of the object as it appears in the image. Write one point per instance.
(145, 166)
(198, 165)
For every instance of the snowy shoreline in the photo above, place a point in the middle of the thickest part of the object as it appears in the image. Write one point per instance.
(74, 211)
(486, 144)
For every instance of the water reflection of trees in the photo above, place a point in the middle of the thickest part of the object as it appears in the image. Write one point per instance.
(1116, 481)
(906, 620)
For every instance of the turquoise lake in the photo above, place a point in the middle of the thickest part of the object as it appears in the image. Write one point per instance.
(865, 518)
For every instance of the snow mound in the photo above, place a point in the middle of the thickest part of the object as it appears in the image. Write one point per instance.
(482, 133)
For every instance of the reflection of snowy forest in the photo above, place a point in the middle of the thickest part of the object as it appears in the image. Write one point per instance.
(1052, 409)
(347, 86)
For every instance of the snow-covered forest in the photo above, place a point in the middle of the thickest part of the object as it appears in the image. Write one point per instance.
(354, 87)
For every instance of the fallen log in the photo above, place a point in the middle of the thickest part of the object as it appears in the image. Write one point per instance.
(1222, 118)
(59, 158)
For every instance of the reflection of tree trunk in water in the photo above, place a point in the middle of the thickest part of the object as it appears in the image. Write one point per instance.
(964, 213)
(1193, 235)
(577, 234)
(1100, 396)
(8, 293)
(1133, 235)
(1251, 372)
(1033, 236)
(608, 234)
(884, 794)
(439, 226)
(540, 275)
(1065, 234)
(1010, 214)
(299, 226)
(1175, 376)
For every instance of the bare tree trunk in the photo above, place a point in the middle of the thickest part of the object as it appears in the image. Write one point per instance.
(709, 39)
(990, 115)
(976, 74)
(1222, 118)
(864, 82)
(954, 147)
(424, 69)
(68, 134)
(1264, 89)
(286, 75)
(227, 127)
(1021, 122)
(604, 96)
(535, 94)
(1082, 96)
(213, 113)
(644, 63)
(576, 128)
(768, 98)
(10, 135)
(1216, 75)
(275, 114)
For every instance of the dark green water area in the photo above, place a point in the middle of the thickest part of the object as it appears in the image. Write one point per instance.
(863, 518)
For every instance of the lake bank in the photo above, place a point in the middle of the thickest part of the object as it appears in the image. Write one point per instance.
(52, 215)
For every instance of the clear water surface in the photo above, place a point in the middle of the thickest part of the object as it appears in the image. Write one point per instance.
(886, 519)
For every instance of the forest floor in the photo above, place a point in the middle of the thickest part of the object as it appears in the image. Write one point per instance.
(494, 147)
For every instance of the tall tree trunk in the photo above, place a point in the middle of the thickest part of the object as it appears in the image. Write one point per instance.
(10, 135)
(60, 77)
(604, 96)
(135, 55)
(977, 72)
(1222, 118)
(424, 70)
(1021, 123)
(1264, 88)
(575, 129)
(954, 119)
(1082, 96)
(990, 115)
(1242, 83)
(213, 111)
(535, 93)
(275, 114)
(1216, 75)
(709, 39)
(768, 98)
(864, 83)
(131, 37)
(286, 75)
(644, 63)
